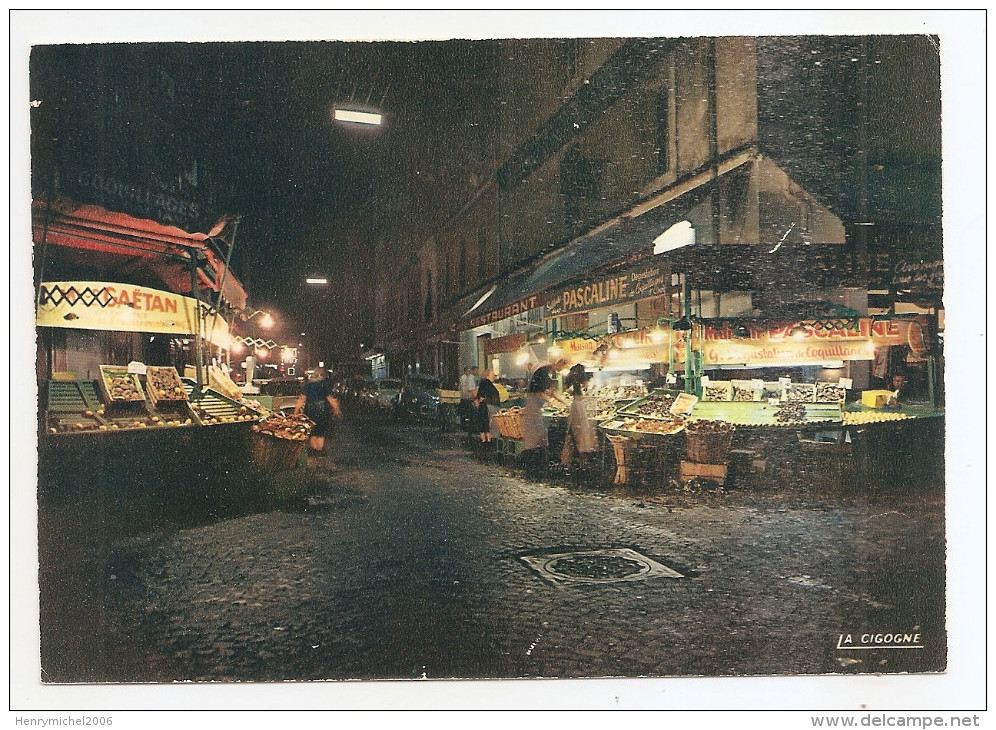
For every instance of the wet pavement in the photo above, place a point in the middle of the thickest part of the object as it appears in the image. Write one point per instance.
(404, 556)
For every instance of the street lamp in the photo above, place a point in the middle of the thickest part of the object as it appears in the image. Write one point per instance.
(317, 280)
(358, 116)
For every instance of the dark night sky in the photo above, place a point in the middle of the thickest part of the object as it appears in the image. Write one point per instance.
(315, 197)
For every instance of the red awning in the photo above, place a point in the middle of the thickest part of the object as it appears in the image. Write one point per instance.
(167, 248)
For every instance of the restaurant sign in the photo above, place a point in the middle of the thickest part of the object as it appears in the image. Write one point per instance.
(98, 305)
(621, 286)
(519, 306)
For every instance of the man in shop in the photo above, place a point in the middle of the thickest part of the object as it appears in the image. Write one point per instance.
(468, 384)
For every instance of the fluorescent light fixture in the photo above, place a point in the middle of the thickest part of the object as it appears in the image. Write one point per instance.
(677, 236)
(481, 301)
(317, 280)
(357, 117)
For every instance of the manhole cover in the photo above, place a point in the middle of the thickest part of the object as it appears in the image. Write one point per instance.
(598, 566)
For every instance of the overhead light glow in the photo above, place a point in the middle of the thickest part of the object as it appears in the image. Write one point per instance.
(357, 117)
(677, 236)
(317, 280)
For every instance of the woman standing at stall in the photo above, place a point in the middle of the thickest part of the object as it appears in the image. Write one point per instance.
(581, 434)
(318, 404)
(486, 400)
(535, 438)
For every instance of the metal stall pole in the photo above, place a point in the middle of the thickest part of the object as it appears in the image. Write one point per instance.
(198, 347)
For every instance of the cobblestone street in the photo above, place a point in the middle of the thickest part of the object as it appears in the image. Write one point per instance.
(405, 560)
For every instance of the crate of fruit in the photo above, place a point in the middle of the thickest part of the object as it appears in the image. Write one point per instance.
(164, 385)
(120, 386)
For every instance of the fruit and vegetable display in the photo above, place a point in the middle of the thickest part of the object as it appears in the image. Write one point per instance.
(288, 426)
(211, 410)
(164, 384)
(120, 386)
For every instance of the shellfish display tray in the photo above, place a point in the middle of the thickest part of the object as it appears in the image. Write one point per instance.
(120, 386)
(659, 405)
(637, 427)
(748, 414)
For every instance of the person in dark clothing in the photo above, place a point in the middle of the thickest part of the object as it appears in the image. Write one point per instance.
(318, 404)
(486, 400)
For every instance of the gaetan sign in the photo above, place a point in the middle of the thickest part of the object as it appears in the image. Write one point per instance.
(100, 305)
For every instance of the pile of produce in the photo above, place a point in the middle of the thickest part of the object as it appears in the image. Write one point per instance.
(289, 426)
(741, 394)
(123, 388)
(164, 384)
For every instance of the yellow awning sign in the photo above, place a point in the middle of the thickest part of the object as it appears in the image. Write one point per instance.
(107, 306)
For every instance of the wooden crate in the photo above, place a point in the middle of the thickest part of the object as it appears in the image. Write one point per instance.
(109, 373)
(167, 395)
(714, 472)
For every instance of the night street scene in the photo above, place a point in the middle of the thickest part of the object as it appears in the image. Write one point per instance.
(614, 361)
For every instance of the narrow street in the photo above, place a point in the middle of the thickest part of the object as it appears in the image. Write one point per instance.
(408, 558)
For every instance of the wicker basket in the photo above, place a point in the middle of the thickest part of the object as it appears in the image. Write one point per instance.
(509, 422)
(270, 453)
(708, 448)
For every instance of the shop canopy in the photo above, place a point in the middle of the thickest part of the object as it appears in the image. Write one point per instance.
(118, 242)
(756, 201)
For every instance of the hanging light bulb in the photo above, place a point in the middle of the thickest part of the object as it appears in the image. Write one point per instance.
(742, 331)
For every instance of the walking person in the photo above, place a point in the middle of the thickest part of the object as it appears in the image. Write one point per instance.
(581, 433)
(318, 404)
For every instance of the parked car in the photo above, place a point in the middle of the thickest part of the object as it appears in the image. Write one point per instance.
(385, 392)
(279, 393)
(419, 398)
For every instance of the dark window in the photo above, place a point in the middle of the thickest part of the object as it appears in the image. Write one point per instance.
(580, 178)
(427, 313)
(663, 110)
(481, 254)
